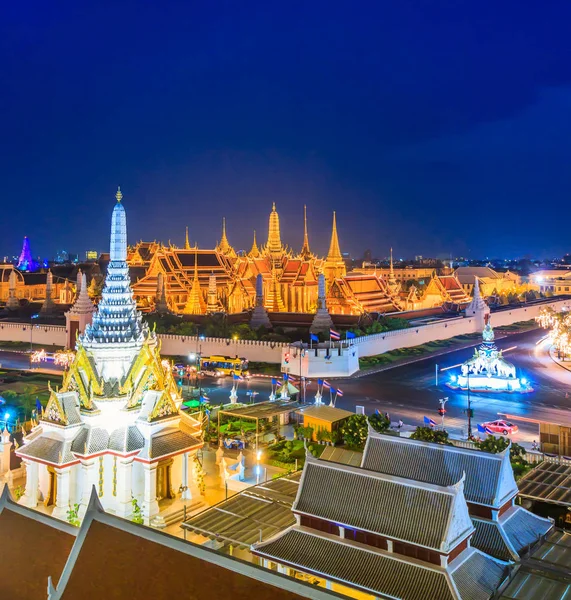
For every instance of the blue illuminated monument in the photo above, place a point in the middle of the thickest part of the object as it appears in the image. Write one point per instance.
(26, 262)
(487, 370)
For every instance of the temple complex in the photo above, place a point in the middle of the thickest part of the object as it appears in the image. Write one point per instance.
(199, 281)
(115, 423)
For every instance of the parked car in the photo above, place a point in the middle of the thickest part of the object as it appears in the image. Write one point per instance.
(503, 427)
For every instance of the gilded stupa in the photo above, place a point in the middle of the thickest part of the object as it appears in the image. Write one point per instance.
(115, 423)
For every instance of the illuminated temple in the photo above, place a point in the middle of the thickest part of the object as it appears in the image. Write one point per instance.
(115, 424)
(199, 281)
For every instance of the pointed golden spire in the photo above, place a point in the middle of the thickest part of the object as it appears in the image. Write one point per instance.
(119, 195)
(392, 278)
(334, 250)
(186, 242)
(274, 245)
(305, 251)
(224, 246)
(255, 251)
(195, 304)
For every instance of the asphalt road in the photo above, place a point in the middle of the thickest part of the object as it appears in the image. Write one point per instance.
(410, 392)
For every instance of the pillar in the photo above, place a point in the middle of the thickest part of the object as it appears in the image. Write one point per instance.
(62, 493)
(89, 478)
(5, 445)
(124, 487)
(30, 497)
(185, 479)
(150, 505)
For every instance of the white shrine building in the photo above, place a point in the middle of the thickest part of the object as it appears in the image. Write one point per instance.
(115, 424)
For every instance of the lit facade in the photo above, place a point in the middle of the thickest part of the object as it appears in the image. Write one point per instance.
(115, 424)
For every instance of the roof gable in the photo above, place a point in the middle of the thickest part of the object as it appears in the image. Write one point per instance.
(489, 477)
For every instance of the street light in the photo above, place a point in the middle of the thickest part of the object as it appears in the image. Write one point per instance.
(32, 317)
(442, 409)
(258, 458)
(469, 407)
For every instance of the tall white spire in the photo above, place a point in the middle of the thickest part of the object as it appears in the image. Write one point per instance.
(116, 322)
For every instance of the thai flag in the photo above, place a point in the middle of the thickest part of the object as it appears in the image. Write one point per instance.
(430, 422)
(334, 335)
(238, 377)
(489, 431)
(326, 385)
(339, 392)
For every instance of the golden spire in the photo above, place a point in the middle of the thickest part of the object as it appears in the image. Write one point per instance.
(119, 195)
(186, 242)
(334, 250)
(392, 279)
(305, 251)
(224, 246)
(255, 251)
(274, 245)
(195, 304)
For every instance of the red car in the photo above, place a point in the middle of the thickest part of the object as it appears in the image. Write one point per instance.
(503, 427)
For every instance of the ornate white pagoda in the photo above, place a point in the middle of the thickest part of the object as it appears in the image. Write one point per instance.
(487, 370)
(115, 423)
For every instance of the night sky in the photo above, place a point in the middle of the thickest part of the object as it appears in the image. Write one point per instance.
(432, 127)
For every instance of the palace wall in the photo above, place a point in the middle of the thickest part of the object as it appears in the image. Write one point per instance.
(370, 345)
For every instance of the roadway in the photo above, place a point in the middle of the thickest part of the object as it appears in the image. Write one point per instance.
(409, 392)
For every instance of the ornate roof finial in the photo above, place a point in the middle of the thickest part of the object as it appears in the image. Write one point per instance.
(392, 279)
(119, 195)
(255, 251)
(224, 246)
(305, 251)
(186, 242)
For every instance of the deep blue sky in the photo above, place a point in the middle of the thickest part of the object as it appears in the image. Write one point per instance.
(434, 127)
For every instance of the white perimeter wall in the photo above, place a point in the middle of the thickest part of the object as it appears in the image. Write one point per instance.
(271, 352)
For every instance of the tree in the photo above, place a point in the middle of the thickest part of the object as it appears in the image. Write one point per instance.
(73, 515)
(379, 423)
(355, 431)
(427, 434)
(495, 445)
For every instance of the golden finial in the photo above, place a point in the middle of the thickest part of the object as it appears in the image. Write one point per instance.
(186, 242)
(119, 195)
(273, 207)
(334, 250)
(305, 251)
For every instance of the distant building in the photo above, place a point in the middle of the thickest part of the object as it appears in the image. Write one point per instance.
(91, 255)
(555, 281)
(491, 281)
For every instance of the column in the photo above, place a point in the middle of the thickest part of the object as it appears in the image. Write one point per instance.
(5, 445)
(150, 505)
(89, 478)
(185, 479)
(30, 497)
(62, 493)
(124, 486)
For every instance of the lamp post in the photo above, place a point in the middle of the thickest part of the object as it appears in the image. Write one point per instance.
(469, 408)
(235, 338)
(442, 409)
(258, 458)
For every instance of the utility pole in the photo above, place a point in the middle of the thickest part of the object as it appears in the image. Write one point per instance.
(436, 375)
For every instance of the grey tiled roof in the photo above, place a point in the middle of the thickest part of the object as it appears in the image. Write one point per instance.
(381, 504)
(489, 539)
(50, 450)
(167, 443)
(378, 572)
(478, 577)
(70, 404)
(524, 528)
(440, 465)
(126, 439)
(90, 440)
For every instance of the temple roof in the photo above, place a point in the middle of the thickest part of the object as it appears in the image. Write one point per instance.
(489, 477)
(491, 539)
(385, 505)
(146, 563)
(33, 547)
(472, 576)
